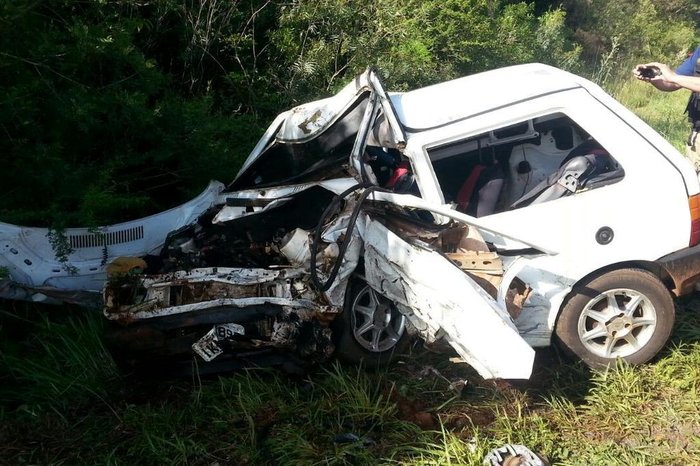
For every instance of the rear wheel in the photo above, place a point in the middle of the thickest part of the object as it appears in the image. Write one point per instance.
(372, 330)
(626, 314)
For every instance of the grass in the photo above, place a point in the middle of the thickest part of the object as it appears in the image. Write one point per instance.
(423, 410)
(62, 401)
(663, 111)
(58, 361)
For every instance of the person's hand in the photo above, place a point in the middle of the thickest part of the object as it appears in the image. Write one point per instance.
(664, 78)
(637, 72)
(663, 73)
(667, 74)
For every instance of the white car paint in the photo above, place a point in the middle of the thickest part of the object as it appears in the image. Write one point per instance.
(451, 111)
(427, 287)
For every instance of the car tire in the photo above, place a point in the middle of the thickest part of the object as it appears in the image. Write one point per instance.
(625, 314)
(370, 331)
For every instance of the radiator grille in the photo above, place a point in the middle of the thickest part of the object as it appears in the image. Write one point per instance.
(92, 240)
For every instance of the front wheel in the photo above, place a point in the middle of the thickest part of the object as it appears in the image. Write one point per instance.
(371, 329)
(626, 314)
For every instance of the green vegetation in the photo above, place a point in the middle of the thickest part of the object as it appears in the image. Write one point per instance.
(115, 109)
(661, 110)
(65, 403)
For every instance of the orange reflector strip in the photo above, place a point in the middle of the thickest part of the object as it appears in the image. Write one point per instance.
(694, 205)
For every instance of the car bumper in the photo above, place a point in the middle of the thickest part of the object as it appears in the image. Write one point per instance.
(683, 267)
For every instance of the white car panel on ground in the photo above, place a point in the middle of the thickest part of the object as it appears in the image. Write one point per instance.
(35, 273)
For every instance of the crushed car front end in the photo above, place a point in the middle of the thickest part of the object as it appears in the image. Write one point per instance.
(290, 284)
(323, 245)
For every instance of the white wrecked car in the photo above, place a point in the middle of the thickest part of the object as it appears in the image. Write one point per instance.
(493, 212)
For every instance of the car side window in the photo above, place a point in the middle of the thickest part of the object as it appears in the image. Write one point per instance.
(534, 161)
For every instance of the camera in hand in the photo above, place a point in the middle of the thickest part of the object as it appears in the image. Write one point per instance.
(649, 71)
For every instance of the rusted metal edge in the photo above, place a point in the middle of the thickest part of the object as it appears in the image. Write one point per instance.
(684, 269)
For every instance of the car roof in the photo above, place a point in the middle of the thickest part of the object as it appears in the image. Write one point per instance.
(461, 98)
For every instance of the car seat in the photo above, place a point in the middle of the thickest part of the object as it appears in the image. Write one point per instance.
(391, 171)
(586, 165)
(480, 192)
(401, 179)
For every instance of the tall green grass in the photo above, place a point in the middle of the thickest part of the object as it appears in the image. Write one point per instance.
(60, 363)
(663, 111)
(72, 408)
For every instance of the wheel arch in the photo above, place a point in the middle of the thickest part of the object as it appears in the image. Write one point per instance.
(649, 266)
(633, 276)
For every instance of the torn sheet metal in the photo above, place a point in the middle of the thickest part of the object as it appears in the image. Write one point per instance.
(445, 212)
(333, 235)
(304, 143)
(254, 201)
(154, 309)
(443, 278)
(307, 141)
(130, 298)
(306, 121)
(227, 334)
(395, 128)
(422, 283)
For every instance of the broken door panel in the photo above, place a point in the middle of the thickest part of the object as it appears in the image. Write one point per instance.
(422, 282)
(445, 212)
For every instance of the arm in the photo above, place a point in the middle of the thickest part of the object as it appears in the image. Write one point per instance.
(671, 79)
(665, 81)
(683, 77)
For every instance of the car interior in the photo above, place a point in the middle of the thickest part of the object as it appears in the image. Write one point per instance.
(523, 164)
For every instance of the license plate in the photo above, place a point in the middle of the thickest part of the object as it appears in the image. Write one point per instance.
(208, 347)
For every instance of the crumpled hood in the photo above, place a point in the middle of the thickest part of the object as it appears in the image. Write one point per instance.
(310, 142)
